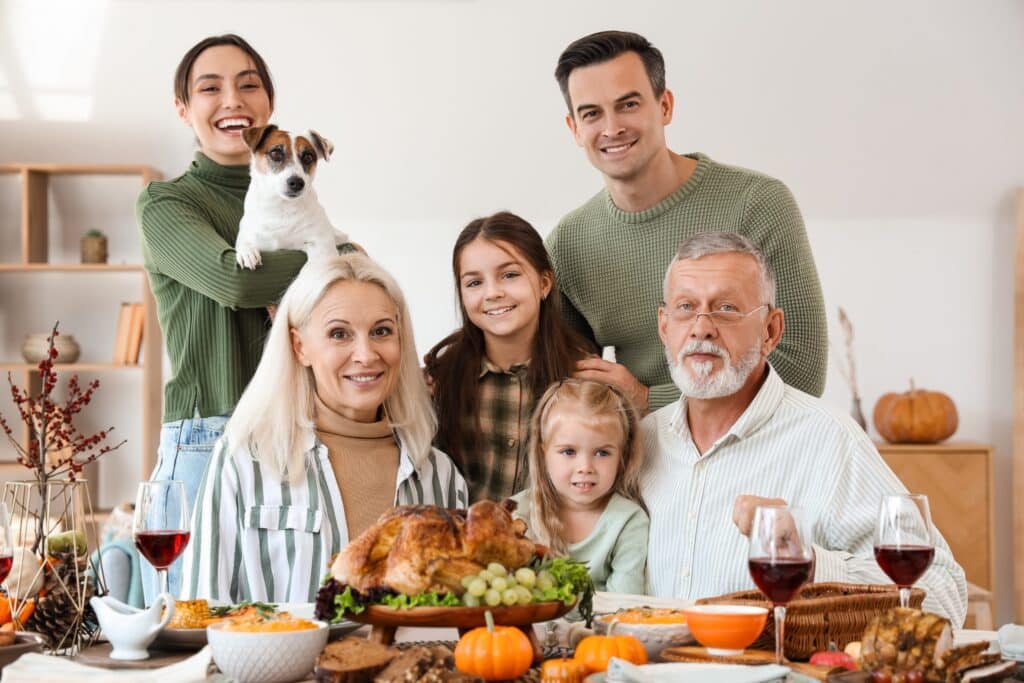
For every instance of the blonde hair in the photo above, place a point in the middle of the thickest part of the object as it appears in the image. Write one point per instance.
(275, 415)
(589, 400)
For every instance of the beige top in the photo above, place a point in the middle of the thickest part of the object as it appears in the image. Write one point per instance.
(364, 457)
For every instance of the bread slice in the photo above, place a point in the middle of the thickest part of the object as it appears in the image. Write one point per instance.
(352, 660)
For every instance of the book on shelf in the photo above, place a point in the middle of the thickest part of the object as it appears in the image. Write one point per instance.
(124, 322)
(135, 336)
(128, 339)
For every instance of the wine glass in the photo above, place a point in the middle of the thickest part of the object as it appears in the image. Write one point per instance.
(781, 559)
(904, 540)
(160, 524)
(6, 547)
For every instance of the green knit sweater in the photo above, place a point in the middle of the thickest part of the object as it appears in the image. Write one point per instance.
(611, 266)
(212, 312)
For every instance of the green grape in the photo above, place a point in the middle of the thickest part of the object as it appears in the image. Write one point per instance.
(470, 600)
(492, 597)
(526, 577)
(497, 569)
(499, 583)
(525, 596)
(510, 597)
(538, 595)
(512, 583)
(466, 580)
(545, 580)
(485, 575)
(477, 587)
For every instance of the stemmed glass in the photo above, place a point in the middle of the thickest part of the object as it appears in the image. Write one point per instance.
(160, 525)
(780, 560)
(904, 540)
(6, 547)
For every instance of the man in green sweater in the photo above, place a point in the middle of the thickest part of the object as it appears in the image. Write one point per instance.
(610, 254)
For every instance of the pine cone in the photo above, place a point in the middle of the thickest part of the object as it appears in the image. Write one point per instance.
(63, 615)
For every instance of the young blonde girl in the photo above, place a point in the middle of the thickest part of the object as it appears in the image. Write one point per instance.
(512, 345)
(584, 496)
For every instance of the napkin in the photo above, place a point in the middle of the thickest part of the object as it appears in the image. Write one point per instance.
(622, 671)
(37, 668)
(1011, 641)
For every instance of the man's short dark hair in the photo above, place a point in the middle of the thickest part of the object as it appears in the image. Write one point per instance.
(603, 46)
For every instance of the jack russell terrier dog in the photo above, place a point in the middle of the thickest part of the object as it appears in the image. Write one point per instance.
(281, 208)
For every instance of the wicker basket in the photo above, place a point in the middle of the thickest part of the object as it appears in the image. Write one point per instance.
(823, 613)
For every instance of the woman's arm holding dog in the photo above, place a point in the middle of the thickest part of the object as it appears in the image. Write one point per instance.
(178, 241)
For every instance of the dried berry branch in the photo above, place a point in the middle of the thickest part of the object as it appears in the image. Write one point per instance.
(51, 427)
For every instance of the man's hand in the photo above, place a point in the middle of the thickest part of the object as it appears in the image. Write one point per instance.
(613, 373)
(743, 510)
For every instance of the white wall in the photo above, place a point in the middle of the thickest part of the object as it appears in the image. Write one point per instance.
(896, 125)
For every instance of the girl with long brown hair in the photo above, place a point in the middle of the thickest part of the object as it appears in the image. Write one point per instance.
(513, 343)
(584, 496)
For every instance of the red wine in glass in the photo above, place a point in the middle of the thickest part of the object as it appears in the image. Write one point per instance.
(161, 547)
(5, 566)
(780, 579)
(904, 540)
(160, 525)
(904, 564)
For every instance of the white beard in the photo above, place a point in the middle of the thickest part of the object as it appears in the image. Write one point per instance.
(702, 383)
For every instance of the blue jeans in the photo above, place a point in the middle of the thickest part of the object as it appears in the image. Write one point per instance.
(185, 447)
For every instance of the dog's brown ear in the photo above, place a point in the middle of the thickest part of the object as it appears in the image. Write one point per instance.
(254, 137)
(322, 144)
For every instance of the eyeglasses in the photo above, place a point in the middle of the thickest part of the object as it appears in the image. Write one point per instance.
(717, 318)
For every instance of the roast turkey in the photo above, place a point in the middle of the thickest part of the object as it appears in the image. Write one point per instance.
(416, 548)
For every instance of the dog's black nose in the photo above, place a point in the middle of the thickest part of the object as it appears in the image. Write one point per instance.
(295, 183)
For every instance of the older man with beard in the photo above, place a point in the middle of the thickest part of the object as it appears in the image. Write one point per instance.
(740, 437)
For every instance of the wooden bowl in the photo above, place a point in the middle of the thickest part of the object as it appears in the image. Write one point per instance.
(460, 617)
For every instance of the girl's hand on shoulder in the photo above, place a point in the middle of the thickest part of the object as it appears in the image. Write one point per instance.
(598, 370)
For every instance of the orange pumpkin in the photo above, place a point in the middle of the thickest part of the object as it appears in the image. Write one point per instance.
(562, 671)
(595, 651)
(494, 653)
(915, 416)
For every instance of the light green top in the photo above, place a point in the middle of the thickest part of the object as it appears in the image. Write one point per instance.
(611, 263)
(615, 552)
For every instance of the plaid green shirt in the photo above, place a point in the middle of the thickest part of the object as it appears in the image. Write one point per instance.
(496, 469)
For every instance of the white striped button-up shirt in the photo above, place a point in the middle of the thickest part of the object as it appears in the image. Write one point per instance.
(788, 445)
(255, 537)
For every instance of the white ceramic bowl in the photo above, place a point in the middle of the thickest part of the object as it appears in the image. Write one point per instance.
(655, 637)
(268, 657)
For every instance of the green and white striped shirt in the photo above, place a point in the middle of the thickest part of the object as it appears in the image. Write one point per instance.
(255, 537)
(788, 445)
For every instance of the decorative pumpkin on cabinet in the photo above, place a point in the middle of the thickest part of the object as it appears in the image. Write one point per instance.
(915, 416)
(494, 653)
(562, 671)
(595, 651)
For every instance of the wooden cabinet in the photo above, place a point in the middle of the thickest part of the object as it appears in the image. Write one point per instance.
(957, 478)
(35, 259)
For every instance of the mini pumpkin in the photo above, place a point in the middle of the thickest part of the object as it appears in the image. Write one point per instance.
(494, 653)
(915, 416)
(562, 671)
(595, 651)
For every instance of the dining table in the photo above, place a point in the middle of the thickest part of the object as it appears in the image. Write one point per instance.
(97, 655)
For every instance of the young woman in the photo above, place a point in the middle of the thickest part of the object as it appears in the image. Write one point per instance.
(334, 429)
(584, 496)
(512, 345)
(212, 313)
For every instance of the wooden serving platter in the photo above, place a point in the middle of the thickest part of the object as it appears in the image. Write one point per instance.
(460, 617)
(695, 653)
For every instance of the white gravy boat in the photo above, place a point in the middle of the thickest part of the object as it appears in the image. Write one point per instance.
(129, 629)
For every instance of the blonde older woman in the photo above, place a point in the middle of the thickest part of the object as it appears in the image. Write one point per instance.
(334, 428)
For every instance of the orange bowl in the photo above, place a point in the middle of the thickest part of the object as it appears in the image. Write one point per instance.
(725, 629)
